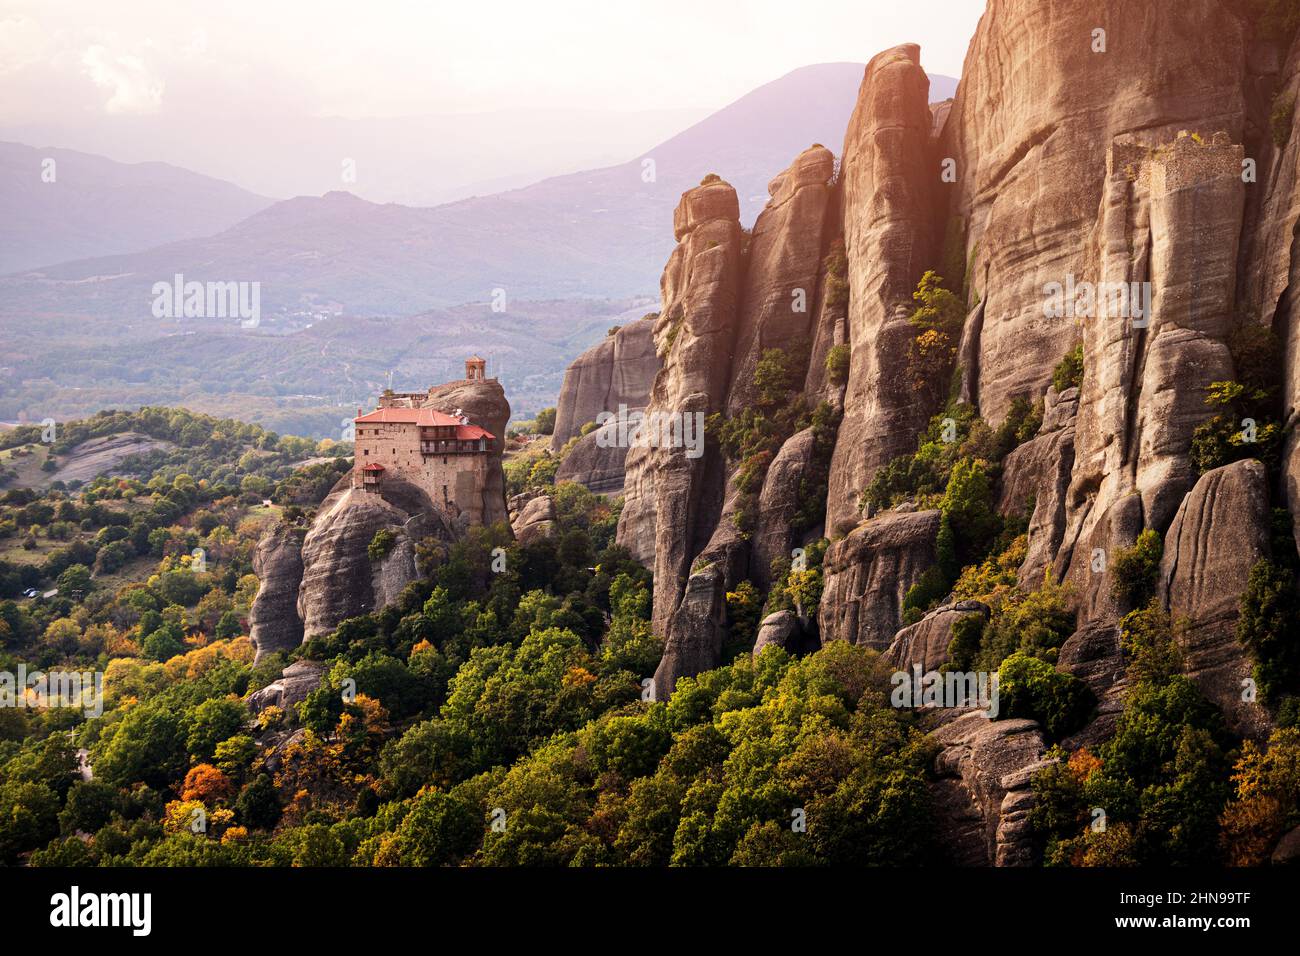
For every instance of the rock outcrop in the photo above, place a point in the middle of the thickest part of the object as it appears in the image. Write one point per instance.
(673, 499)
(484, 402)
(982, 792)
(1093, 655)
(292, 687)
(535, 518)
(273, 620)
(868, 573)
(1042, 99)
(782, 269)
(1170, 218)
(1036, 480)
(781, 629)
(339, 579)
(1134, 158)
(890, 185)
(925, 643)
(1220, 531)
(619, 370)
(596, 461)
(776, 530)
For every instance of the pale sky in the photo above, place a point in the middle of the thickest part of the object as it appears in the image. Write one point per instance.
(62, 61)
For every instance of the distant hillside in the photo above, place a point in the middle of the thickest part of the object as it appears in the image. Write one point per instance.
(308, 381)
(604, 232)
(95, 206)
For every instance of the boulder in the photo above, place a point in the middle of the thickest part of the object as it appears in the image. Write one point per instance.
(1287, 851)
(1093, 655)
(597, 461)
(536, 519)
(925, 643)
(782, 629)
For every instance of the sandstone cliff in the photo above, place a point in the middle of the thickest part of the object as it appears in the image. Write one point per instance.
(617, 370)
(890, 188)
(273, 621)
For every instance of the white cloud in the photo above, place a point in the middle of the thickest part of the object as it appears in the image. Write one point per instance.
(134, 88)
(22, 43)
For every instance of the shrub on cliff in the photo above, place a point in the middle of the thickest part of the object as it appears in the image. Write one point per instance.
(1242, 428)
(1134, 569)
(837, 364)
(1029, 687)
(938, 319)
(1069, 371)
(1268, 628)
(381, 544)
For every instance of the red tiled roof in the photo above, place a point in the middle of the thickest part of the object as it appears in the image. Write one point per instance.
(373, 466)
(425, 418)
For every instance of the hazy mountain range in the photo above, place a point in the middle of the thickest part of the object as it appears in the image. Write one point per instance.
(602, 234)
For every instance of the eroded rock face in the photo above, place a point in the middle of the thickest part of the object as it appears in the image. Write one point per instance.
(889, 186)
(1033, 119)
(596, 462)
(672, 501)
(785, 257)
(925, 643)
(693, 635)
(297, 681)
(273, 622)
(535, 519)
(868, 573)
(339, 580)
(1170, 217)
(982, 789)
(775, 534)
(618, 370)
(1220, 531)
(1093, 655)
(1036, 476)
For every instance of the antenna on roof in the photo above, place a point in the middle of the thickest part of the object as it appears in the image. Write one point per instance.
(390, 379)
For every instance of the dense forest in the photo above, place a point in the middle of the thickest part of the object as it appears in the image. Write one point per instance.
(501, 711)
